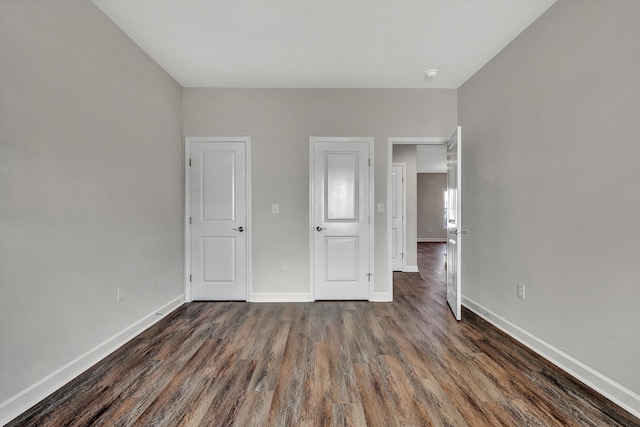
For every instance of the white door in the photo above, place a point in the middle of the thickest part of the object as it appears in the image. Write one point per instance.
(340, 199)
(218, 211)
(397, 216)
(454, 225)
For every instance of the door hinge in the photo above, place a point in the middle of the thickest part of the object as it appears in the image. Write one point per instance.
(189, 277)
(189, 220)
(369, 276)
(369, 162)
(189, 162)
(402, 254)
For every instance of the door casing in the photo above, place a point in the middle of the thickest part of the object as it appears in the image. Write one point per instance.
(187, 206)
(312, 231)
(403, 209)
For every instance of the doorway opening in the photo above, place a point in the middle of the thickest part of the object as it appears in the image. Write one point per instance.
(406, 152)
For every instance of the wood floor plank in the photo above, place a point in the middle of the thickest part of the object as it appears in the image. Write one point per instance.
(410, 410)
(345, 363)
(317, 410)
(268, 365)
(344, 388)
(229, 393)
(359, 339)
(182, 391)
(254, 410)
(468, 400)
(348, 415)
(198, 406)
(287, 398)
(442, 410)
(258, 337)
(378, 409)
(406, 349)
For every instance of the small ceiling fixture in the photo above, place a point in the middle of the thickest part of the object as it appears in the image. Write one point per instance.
(432, 73)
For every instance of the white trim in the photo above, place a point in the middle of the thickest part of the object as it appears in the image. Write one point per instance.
(404, 216)
(372, 217)
(403, 165)
(411, 269)
(249, 227)
(312, 250)
(432, 239)
(187, 207)
(613, 391)
(187, 228)
(371, 143)
(430, 140)
(381, 297)
(437, 140)
(280, 297)
(30, 396)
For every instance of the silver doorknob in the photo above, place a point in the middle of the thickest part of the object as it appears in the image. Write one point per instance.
(240, 229)
(318, 228)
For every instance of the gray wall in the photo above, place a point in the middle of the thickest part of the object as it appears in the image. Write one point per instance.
(551, 183)
(91, 185)
(430, 205)
(408, 154)
(280, 122)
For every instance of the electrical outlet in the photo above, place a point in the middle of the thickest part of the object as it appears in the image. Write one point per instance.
(521, 291)
(283, 265)
(275, 208)
(120, 294)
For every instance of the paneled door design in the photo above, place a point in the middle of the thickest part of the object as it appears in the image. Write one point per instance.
(397, 216)
(340, 217)
(218, 218)
(454, 224)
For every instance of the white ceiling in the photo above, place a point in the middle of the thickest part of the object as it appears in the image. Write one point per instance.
(322, 43)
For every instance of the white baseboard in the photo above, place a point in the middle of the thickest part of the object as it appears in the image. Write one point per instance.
(25, 399)
(432, 239)
(613, 391)
(381, 297)
(410, 269)
(280, 297)
(259, 297)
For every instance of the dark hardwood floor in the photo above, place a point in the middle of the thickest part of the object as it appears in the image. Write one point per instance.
(406, 363)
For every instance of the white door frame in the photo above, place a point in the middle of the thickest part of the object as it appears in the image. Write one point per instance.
(404, 213)
(187, 205)
(312, 230)
(437, 140)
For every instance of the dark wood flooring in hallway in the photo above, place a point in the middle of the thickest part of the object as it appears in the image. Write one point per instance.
(406, 363)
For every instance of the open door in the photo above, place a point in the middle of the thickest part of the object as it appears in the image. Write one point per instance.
(454, 225)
